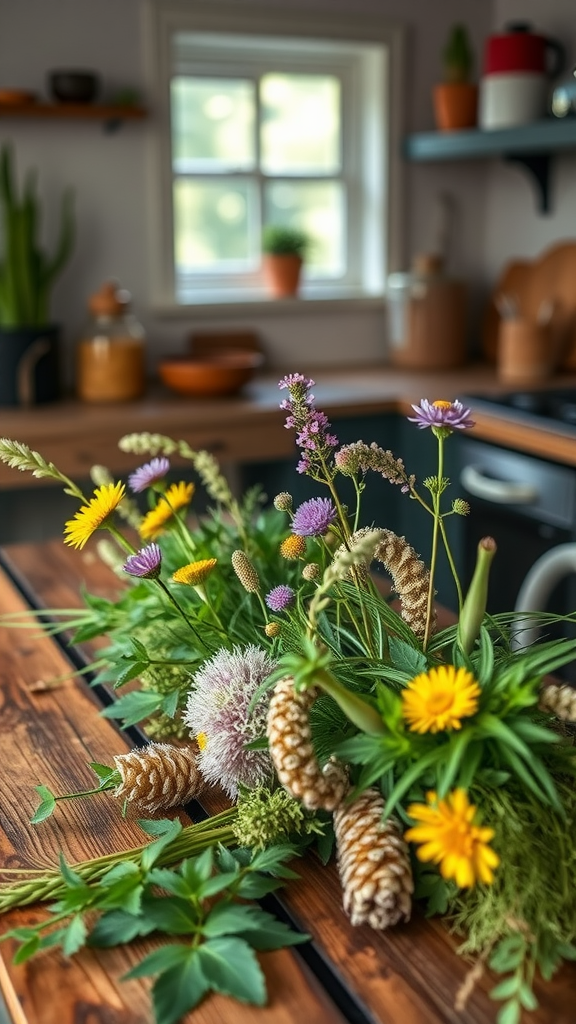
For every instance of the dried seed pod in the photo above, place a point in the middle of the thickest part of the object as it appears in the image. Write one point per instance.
(560, 700)
(373, 863)
(245, 572)
(158, 776)
(291, 750)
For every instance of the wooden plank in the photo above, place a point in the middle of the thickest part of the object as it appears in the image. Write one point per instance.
(49, 737)
(409, 974)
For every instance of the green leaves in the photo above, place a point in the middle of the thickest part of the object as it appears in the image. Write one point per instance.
(230, 967)
(47, 805)
(195, 902)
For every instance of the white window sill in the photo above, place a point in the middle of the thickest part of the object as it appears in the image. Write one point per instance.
(221, 307)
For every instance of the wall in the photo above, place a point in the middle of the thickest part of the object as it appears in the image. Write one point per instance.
(513, 227)
(108, 172)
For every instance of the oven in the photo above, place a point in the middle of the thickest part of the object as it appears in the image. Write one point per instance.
(528, 505)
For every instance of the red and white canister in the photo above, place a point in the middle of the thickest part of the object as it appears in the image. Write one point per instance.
(514, 84)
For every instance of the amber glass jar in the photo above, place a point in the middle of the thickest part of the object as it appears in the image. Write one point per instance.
(111, 357)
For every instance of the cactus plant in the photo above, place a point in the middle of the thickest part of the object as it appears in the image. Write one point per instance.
(457, 56)
(27, 273)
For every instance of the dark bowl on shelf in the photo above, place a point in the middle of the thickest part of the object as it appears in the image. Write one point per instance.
(74, 86)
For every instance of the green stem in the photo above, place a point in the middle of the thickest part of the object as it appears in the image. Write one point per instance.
(184, 534)
(180, 610)
(192, 840)
(435, 531)
(451, 563)
(120, 538)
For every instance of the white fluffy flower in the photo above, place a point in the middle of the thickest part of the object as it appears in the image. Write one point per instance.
(217, 714)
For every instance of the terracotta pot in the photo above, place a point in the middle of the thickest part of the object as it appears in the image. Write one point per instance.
(455, 105)
(282, 273)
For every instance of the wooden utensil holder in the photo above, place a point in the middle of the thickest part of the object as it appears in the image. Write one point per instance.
(525, 351)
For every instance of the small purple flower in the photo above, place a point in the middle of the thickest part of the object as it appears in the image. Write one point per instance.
(295, 378)
(145, 563)
(280, 598)
(149, 474)
(449, 415)
(312, 518)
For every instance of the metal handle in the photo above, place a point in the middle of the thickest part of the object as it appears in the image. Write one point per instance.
(501, 491)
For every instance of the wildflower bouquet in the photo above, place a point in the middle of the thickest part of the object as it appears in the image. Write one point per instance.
(269, 662)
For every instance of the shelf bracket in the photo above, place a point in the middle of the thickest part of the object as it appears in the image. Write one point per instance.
(538, 167)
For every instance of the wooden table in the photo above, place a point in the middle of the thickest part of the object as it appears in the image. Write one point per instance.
(409, 975)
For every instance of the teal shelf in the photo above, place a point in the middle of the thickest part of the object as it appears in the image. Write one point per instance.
(531, 145)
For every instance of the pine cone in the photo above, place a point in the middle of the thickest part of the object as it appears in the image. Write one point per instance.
(373, 863)
(158, 776)
(291, 750)
(560, 700)
(410, 577)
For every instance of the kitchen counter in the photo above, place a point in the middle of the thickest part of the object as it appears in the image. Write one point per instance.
(250, 428)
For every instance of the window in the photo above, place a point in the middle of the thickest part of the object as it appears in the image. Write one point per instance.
(264, 124)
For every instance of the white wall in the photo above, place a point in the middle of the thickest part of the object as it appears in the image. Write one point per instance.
(513, 226)
(109, 177)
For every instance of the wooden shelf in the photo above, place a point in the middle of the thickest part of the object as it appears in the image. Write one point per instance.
(112, 115)
(540, 137)
(531, 145)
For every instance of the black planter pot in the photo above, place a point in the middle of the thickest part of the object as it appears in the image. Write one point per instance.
(29, 365)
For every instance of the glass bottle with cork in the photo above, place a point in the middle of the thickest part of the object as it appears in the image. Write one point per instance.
(111, 358)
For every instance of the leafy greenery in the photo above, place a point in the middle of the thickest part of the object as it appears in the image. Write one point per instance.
(26, 273)
(213, 938)
(282, 240)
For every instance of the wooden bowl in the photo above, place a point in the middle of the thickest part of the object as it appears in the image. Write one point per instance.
(209, 376)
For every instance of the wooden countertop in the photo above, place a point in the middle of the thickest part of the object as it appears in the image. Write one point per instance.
(409, 974)
(250, 427)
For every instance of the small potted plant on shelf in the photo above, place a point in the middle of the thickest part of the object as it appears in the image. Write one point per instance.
(29, 370)
(456, 98)
(284, 251)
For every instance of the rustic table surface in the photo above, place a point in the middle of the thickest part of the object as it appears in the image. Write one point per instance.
(409, 975)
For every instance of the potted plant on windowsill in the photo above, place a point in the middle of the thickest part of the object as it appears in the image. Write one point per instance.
(456, 98)
(284, 251)
(29, 366)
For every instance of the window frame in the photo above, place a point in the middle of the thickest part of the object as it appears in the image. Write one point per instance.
(378, 250)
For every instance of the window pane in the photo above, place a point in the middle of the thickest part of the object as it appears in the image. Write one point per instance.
(212, 124)
(318, 209)
(300, 132)
(215, 225)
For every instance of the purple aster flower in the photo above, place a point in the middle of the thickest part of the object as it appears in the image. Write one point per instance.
(312, 518)
(149, 474)
(146, 563)
(449, 415)
(280, 598)
(218, 711)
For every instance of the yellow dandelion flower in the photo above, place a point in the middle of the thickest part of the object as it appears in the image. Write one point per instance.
(195, 573)
(293, 547)
(202, 740)
(447, 835)
(94, 515)
(439, 699)
(177, 496)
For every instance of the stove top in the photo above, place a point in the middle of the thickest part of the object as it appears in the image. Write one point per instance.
(552, 410)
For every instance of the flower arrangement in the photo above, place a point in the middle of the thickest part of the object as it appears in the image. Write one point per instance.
(439, 763)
